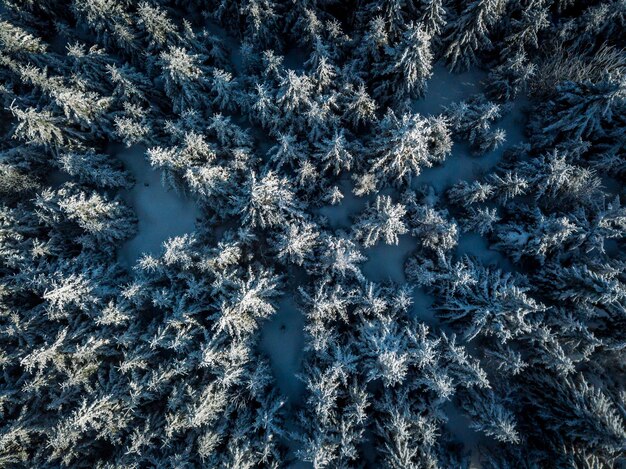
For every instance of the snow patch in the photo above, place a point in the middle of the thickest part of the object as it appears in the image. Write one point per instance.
(341, 215)
(445, 88)
(473, 244)
(385, 262)
(422, 308)
(282, 339)
(162, 214)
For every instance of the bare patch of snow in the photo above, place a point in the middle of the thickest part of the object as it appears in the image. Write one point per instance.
(162, 214)
(385, 262)
(341, 215)
(445, 88)
(475, 245)
(282, 339)
(423, 307)
(459, 425)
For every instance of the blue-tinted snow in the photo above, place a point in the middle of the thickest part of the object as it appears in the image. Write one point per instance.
(445, 88)
(462, 165)
(282, 339)
(422, 307)
(342, 214)
(472, 244)
(162, 213)
(459, 425)
(386, 262)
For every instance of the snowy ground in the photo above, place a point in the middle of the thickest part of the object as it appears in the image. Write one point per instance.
(473, 244)
(386, 262)
(340, 216)
(282, 339)
(445, 88)
(162, 214)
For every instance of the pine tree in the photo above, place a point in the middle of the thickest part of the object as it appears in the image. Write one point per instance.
(361, 108)
(112, 23)
(491, 417)
(268, 201)
(432, 228)
(94, 168)
(294, 93)
(539, 236)
(582, 110)
(336, 153)
(296, 244)
(184, 77)
(403, 146)
(580, 413)
(433, 16)
(262, 23)
(481, 220)
(469, 34)
(512, 78)
(466, 194)
(225, 90)
(410, 66)
(340, 257)
(492, 305)
(37, 127)
(158, 27)
(288, 151)
(106, 221)
(472, 119)
(381, 220)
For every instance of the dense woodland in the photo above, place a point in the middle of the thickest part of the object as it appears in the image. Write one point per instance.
(263, 112)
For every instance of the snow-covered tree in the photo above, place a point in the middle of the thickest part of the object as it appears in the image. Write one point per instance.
(537, 237)
(469, 33)
(472, 120)
(411, 66)
(492, 304)
(404, 145)
(381, 220)
(492, 418)
(433, 16)
(37, 127)
(296, 244)
(340, 256)
(432, 228)
(94, 168)
(361, 108)
(336, 153)
(184, 77)
(481, 220)
(267, 201)
(581, 414)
